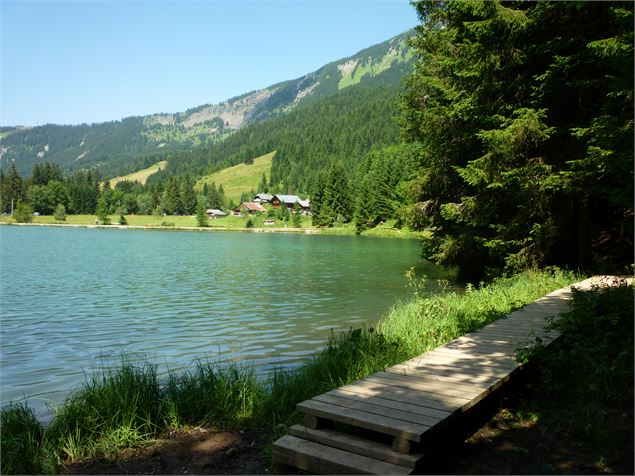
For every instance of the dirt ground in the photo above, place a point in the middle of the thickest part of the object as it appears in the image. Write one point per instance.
(196, 451)
(517, 440)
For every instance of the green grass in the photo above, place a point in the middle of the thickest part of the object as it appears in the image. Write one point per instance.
(127, 405)
(21, 442)
(240, 178)
(169, 221)
(141, 175)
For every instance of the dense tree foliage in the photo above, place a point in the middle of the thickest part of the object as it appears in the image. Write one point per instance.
(11, 189)
(524, 115)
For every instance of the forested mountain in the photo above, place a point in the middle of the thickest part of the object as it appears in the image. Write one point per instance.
(337, 130)
(121, 147)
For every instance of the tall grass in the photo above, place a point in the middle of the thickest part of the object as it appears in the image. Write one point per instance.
(129, 404)
(115, 408)
(21, 442)
(213, 395)
(422, 324)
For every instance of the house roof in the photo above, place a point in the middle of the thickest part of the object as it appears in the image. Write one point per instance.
(264, 196)
(305, 203)
(214, 211)
(288, 198)
(254, 207)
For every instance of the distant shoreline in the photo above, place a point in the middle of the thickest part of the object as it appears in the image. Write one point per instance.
(307, 231)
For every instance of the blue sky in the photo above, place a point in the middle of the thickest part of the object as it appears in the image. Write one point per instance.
(93, 61)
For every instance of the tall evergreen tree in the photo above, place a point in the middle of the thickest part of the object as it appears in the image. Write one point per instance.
(173, 201)
(188, 195)
(11, 189)
(524, 115)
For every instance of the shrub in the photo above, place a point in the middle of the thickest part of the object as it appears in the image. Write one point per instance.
(23, 213)
(60, 213)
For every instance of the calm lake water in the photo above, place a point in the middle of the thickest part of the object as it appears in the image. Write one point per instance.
(75, 299)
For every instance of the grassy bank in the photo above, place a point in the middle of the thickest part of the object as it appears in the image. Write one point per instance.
(228, 223)
(129, 405)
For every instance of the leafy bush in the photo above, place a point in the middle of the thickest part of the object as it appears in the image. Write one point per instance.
(60, 213)
(23, 213)
(595, 353)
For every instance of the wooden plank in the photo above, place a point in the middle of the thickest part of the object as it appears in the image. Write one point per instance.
(529, 316)
(455, 386)
(443, 392)
(357, 445)
(389, 404)
(448, 376)
(483, 347)
(469, 397)
(320, 459)
(483, 340)
(390, 392)
(476, 348)
(493, 356)
(381, 424)
(357, 404)
(469, 357)
(451, 373)
(520, 336)
(461, 360)
(510, 331)
(463, 403)
(513, 329)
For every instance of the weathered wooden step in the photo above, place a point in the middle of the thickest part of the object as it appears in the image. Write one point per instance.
(322, 459)
(355, 444)
(380, 423)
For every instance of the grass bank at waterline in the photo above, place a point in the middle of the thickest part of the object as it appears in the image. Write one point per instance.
(229, 223)
(128, 404)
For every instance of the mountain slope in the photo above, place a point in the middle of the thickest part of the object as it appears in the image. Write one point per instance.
(340, 129)
(121, 147)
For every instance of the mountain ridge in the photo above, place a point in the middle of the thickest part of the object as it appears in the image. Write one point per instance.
(118, 144)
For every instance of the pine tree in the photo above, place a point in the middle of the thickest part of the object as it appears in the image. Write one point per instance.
(12, 189)
(521, 162)
(188, 195)
(102, 212)
(173, 202)
(201, 215)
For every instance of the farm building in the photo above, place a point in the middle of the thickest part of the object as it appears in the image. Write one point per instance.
(213, 213)
(249, 208)
(262, 198)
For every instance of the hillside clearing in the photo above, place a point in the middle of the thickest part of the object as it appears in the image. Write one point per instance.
(240, 178)
(141, 175)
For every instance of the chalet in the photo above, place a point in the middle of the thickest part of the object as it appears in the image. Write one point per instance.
(249, 208)
(262, 198)
(213, 213)
(287, 200)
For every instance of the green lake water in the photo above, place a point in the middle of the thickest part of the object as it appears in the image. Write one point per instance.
(76, 299)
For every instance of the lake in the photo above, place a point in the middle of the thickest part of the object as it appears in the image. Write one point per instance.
(74, 299)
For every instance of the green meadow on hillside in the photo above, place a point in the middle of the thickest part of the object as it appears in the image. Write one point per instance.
(240, 178)
(140, 175)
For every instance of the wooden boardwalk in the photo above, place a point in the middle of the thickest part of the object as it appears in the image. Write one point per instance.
(407, 405)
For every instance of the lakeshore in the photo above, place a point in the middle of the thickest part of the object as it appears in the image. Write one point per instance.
(187, 223)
